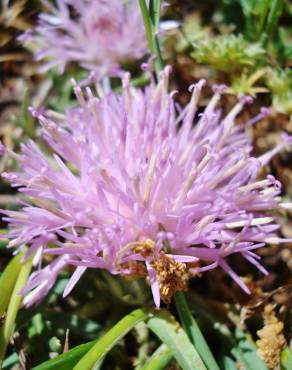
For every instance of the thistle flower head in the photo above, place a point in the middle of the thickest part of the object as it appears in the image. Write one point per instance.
(136, 188)
(97, 34)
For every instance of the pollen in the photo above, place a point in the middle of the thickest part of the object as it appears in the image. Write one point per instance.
(172, 276)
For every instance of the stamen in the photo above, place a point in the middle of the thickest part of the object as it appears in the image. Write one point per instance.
(205, 221)
(255, 185)
(149, 177)
(189, 181)
(275, 240)
(126, 91)
(191, 110)
(254, 222)
(228, 122)
(194, 99)
(166, 72)
(34, 293)
(185, 154)
(136, 184)
(205, 160)
(286, 205)
(264, 112)
(78, 93)
(265, 158)
(231, 171)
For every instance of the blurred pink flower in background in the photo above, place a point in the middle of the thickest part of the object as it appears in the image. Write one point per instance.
(100, 35)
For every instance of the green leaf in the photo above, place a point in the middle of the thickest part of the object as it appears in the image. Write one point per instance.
(27, 120)
(6, 329)
(170, 332)
(3, 242)
(67, 360)
(229, 364)
(8, 280)
(193, 331)
(286, 359)
(276, 8)
(159, 359)
(108, 341)
(10, 361)
(245, 353)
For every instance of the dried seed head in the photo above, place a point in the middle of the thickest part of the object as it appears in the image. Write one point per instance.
(171, 275)
(271, 339)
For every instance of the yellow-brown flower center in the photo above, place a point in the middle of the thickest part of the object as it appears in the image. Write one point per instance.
(171, 275)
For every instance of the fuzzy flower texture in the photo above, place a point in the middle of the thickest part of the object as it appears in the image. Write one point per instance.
(97, 34)
(134, 187)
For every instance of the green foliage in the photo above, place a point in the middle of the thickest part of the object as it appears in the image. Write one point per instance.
(170, 332)
(286, 359)
(107, 342)
(247, 84)
(7, 282)
(280, 83)
(67, 360)
(245, 352)
(261, 17)
(227, 53)
(22, 272)
(258, 19)
(159, 359)
(193, 331)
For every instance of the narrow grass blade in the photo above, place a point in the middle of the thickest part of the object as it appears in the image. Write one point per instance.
(6, 329)
(147, 25)
(193, 331)
(276, 8)
(246, 352)
(8, 280)
(170, 332)
(67, 360)
(159, 359)
(108, 341)
(27, 120)
(151, 31)
(228, 364)
(154, 10)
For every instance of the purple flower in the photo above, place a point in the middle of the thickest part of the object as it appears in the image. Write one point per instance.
(97, 34)
(134, 187)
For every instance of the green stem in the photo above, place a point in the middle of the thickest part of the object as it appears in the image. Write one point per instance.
(147, 24)
(151, 30)
(154, 9)
(193, 331)
(107, 342)
(14, 304)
